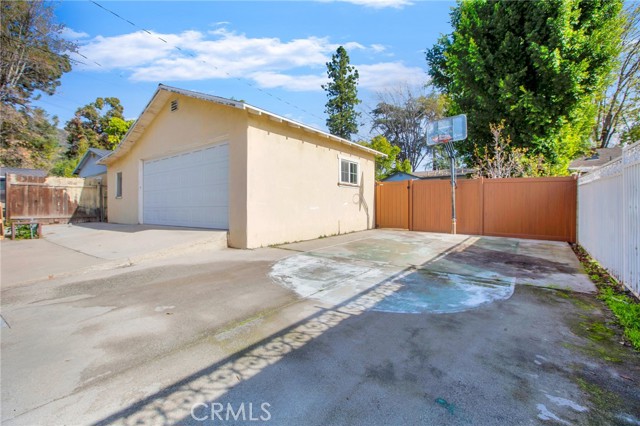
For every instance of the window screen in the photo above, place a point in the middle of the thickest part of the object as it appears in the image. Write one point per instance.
(348, 172)
(119, 185)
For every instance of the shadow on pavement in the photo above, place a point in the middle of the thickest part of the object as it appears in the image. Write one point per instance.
(350, 364)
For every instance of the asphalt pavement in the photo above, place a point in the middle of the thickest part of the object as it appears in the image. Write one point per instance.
(377, 327)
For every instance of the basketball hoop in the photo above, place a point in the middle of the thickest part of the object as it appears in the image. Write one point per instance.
(441, 139)
(450, 129)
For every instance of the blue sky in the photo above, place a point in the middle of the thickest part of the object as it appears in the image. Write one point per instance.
(270, 54)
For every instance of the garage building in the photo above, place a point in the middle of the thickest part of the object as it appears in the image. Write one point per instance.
(197, 160)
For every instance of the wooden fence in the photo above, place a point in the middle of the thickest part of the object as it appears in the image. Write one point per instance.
(54, 200)
(536, 208)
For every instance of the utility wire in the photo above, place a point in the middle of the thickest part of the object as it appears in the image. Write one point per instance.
(186, 52)
(49, 52)
(76, 52)
(252, 85)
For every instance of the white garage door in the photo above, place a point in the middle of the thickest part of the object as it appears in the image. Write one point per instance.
(188, 189)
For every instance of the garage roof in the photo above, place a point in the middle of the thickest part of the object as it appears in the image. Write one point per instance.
(163, 93)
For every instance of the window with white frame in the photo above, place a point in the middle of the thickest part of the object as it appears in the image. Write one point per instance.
(119, 185)
(348, 172)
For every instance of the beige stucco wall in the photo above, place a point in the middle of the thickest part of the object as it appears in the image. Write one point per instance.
(293, 191)
(283, 181)
(195, 124)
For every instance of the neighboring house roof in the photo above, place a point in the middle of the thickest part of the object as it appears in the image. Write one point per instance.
(397, 176)
(599, 157)
(100, 153)
(23, 172)
(162, 95)
(433, 174)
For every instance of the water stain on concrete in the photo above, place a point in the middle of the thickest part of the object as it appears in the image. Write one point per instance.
(384, 373)
(434, 275)
(426, 291)
(545, 414)
(509, 264)
(564, 402)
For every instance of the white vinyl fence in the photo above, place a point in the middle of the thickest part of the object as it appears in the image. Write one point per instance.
(609, 216)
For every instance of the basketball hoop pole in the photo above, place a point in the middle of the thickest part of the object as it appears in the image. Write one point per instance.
(449, 147)
(446, 131)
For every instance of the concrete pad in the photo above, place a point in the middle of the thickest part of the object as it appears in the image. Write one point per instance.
(517, 361)
(69, 334)
(77, 248)
(115, 242)
(560, 267)
(143, 343)
(469, 270)
(490, 366)
(23, 261)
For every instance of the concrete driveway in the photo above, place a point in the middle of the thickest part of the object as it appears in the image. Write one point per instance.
(76, 248)
(377, 327)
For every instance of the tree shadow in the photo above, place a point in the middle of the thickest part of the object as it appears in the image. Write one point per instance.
(247, 376)
(174, 404)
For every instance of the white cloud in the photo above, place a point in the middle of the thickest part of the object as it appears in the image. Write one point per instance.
(295, 83)
(294, 65)
(375, 77)
(70, 34)
(377, 4)
(192, 55)
(387, 75)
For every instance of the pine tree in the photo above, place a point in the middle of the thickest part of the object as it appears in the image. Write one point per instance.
(342, 92)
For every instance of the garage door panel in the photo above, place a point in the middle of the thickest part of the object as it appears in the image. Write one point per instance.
(189, 189)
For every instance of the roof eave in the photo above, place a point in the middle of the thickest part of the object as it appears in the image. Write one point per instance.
(259, 111)
(127, 139)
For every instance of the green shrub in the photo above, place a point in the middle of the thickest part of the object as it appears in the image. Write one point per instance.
(625, 307)
(26, 232)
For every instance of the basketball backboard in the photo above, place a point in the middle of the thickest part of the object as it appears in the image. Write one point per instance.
(448, 129)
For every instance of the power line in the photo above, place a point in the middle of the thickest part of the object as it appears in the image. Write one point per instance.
(76, 52)
(242, 80)
(49, 52)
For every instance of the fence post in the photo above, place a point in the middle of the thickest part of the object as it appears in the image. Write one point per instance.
(2, 218)
(626, 278)
(574, 204)
(7, 191)
(481, 191)
(100, 200)
(410, 210)
(377, 205)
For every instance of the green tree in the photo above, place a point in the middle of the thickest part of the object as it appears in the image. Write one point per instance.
(401, 115)
(33, 58)
(391, 164)
(115, 130)
(501, 160)
(342, 91)
(539, 66)
(619, 107)
(91, 127)
(632, 133)
(64, 167)
(29, 140)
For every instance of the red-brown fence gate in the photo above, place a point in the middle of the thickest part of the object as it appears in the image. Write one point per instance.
(537, 208)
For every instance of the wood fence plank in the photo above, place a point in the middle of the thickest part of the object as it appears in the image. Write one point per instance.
(53, 200)
(536, 208)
